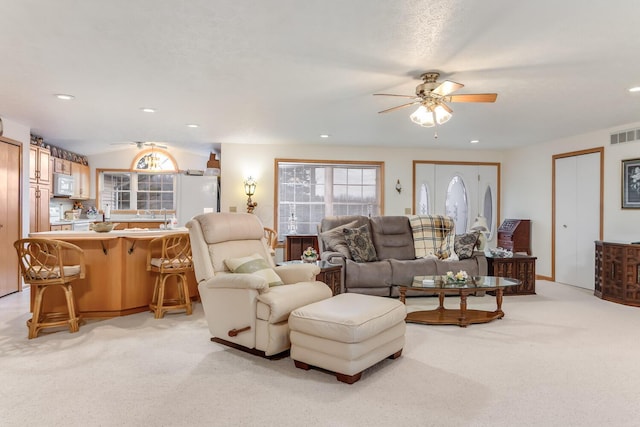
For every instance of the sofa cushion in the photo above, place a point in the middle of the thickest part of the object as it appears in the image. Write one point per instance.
(360, 244)
(403, 271)
(465, 244)
(375, 274)
(392, 237)
(334, 239)
(254, 264)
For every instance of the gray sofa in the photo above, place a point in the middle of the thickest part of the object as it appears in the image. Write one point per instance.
(396, 263)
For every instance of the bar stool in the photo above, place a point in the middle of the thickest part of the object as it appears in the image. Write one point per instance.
(272, 239)
(173, 259)
(42, 267)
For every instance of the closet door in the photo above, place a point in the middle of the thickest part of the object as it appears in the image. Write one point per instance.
(577, 222)
(9, 216)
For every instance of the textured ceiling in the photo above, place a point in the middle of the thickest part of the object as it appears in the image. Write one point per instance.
(286, 71)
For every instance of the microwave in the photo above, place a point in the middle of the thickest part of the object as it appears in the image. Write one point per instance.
(62, 185)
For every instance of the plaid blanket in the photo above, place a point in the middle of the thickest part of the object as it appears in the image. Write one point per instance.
(433, 235)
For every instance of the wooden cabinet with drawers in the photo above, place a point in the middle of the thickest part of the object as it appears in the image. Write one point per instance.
(617, 272)
(521, 267)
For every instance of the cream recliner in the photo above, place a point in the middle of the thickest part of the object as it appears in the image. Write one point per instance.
(242, 311)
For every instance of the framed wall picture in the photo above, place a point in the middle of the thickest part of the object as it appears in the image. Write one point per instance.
(631, 184)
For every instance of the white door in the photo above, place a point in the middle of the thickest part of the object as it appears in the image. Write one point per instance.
(577, 186)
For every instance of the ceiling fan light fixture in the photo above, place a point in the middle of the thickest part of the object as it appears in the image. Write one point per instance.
(428, 116)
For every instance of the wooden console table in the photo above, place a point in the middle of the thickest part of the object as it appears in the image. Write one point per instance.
(617, 272)
(521, 267)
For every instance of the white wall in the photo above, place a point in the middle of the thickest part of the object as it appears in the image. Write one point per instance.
(237, 161)
(527, 188)
(21, 133)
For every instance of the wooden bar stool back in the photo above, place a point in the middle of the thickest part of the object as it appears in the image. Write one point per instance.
(170, 256)
(42, 266)
(272, 239)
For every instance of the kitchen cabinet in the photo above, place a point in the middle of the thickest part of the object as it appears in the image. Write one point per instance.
(10, 214)
(39, 165)
(62, 166)
(64, 227)
(81, 181)
(39, 188)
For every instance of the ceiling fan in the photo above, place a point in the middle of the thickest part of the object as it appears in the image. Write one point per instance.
(432, 96)
(141, 144)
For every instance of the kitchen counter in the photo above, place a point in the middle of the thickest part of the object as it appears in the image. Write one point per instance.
(117, 282)
(132, 233)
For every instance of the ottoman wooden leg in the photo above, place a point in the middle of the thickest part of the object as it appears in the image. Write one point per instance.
(349, 379)
(302, 365)
(395, 355)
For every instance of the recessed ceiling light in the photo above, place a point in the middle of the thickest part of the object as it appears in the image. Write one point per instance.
(474, 141)
(64, 96)
(635, 89)
(325, 135)
(193, 125)
(148, 110)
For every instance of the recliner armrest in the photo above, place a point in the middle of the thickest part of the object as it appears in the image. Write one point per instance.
(236, 281)
(333, 257)
(294, 273)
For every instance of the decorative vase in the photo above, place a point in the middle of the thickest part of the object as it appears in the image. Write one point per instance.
(309, 258)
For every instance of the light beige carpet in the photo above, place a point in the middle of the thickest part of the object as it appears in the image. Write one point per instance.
(559, 358)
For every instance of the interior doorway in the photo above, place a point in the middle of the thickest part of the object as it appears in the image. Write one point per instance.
(577, 215)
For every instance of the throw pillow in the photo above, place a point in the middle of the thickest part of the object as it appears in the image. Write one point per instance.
(254, 264)
(465, 244)
(334, 239)
(360, 244)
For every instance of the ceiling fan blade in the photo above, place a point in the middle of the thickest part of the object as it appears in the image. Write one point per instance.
(447, 87)
(400, 106)
(391, 94)
(473, 97)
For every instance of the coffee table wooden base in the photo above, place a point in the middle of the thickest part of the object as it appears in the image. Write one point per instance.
(444, 316)
(461, 317)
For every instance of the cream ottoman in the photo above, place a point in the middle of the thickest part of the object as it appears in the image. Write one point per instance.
(347, 334)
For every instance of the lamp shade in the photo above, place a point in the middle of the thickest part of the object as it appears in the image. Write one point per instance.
(429, 116)
(480, 224)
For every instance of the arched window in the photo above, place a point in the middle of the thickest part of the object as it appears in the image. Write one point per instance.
(488, 208)
(154, 160)
(424, 201)
(456, 205)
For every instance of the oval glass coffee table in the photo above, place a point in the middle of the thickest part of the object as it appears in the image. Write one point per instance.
(462, 316)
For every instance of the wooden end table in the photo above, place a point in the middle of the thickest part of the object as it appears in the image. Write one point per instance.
(331, 274)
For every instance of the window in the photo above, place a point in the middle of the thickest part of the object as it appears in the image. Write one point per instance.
(148, 185)
(309, 191)
(137, 190)
(456, 205)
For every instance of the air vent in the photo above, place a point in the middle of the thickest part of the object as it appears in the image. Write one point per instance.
(625, 136)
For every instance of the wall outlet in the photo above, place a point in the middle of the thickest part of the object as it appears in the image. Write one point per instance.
(407, 211)
(233, 209)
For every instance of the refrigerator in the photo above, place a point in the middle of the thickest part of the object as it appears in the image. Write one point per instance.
(196, 195)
